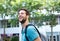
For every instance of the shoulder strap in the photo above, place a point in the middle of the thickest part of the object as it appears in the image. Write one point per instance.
(26, 31)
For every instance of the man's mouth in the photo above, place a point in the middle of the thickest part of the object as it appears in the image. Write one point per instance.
(20, 17)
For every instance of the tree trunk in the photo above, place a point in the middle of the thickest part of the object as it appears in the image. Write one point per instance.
(4, 31)
(51, 33)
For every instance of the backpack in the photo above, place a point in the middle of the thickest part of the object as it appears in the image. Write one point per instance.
(43, 38)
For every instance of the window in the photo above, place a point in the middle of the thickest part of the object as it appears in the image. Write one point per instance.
(58, 19)
(57, 37)
(54, 38)
(7, 24)
(13, 24)
(4, 23)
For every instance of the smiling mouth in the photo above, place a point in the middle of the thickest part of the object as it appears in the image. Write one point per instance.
(20, 17)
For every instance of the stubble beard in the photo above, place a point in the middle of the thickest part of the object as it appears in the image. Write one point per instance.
(23, 21)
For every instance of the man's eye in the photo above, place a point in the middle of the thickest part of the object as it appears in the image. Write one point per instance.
(22, 13)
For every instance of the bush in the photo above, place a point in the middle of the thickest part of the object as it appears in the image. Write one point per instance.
(15, 38)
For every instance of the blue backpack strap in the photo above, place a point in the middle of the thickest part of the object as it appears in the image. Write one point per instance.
(26, 31)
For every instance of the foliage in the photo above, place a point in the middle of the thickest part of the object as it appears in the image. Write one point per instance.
(10, 7)
(15, 38)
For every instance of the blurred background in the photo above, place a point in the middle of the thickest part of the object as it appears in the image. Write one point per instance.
(44, 14)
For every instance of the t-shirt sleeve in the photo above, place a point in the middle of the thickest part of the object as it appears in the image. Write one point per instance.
(32, 33)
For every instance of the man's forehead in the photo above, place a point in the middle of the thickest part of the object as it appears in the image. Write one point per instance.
(22, 11)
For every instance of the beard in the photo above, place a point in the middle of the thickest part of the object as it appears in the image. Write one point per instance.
(23, 21)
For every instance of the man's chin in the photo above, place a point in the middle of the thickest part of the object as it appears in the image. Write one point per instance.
(20, 20)
(23, 21)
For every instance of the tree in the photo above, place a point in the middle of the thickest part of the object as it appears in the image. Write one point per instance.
(51, 9)
(10, 7)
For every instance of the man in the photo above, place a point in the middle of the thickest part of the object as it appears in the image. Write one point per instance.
(32, 34)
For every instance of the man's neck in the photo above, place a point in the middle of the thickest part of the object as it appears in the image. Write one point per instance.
(26, 23)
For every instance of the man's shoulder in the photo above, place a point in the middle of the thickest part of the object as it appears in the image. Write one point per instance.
(31, 27)
(31, 32)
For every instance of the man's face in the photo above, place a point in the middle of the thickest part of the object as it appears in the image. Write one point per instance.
(22, 16)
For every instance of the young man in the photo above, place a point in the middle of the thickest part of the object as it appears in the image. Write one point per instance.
(32, 34)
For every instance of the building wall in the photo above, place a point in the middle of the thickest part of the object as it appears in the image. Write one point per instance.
(42, 29)
(46, 30)
(9, 30)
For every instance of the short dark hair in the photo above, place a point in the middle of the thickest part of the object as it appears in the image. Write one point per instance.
(27, 12)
